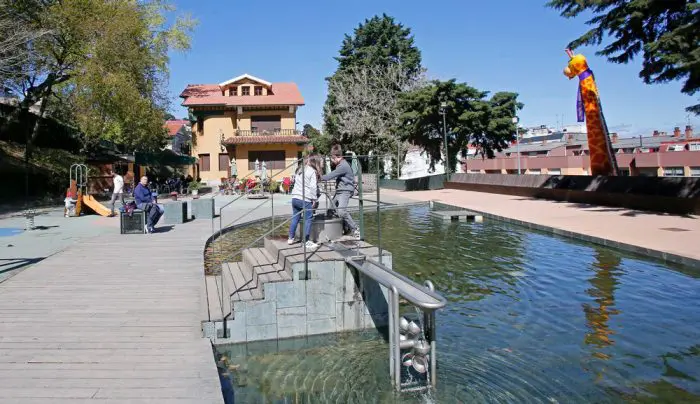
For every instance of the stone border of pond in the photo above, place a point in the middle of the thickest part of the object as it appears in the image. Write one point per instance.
(646, 252)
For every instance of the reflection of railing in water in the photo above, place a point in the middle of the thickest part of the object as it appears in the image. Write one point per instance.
(422, 345)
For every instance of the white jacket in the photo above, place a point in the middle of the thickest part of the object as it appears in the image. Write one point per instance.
(309, 182)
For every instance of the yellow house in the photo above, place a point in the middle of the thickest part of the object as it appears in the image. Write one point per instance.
(244, 119)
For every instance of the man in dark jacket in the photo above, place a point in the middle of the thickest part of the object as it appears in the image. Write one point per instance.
(144, 200)
(344, 188)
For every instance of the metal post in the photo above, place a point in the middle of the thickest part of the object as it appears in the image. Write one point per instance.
(392, 340)
(396, 348)
(361, 200)
(517, 140)
(429, 322)
(398, 159)
(379, 223)
(444, 131)
(272, 204)
(303, 218)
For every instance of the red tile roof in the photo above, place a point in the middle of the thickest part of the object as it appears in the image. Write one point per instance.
(173, 126)
(266, 139)
(210, 94)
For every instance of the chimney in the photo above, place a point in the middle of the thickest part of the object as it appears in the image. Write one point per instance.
(656, 133)
(676, 132)
(688, 132)
(614, 137)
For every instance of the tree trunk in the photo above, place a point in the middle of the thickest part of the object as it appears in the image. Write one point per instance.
(29, 145)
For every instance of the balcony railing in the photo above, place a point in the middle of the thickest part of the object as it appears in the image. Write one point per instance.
(268, 132)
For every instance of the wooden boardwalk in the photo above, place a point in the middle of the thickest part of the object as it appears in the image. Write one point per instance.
(115, 319)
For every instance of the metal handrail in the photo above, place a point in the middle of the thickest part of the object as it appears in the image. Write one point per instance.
(239, 252)
(275, 228)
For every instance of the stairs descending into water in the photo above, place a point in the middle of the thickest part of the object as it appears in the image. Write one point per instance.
(247, 286)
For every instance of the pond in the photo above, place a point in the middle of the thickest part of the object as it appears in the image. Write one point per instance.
(531, 317)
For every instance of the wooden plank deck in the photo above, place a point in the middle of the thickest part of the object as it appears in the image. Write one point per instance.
(114, 319)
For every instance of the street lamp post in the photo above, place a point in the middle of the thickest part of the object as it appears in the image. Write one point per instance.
(517, 140)
(443, 112)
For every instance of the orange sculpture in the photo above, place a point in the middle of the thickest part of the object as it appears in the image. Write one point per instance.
(600, 148)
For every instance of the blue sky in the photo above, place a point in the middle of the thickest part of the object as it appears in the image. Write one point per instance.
(511, 45)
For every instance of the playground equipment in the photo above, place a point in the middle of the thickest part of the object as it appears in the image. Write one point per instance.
(78, 176)
(588, 105)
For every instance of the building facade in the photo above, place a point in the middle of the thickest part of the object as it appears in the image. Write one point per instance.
(566, 153)
(244, 120)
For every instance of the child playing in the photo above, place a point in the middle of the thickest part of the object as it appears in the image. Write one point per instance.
(304, 194)
(344, 188)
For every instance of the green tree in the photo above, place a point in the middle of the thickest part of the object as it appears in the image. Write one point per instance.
(378, 44)
(470, 118)
(665, 32)
(103, 64)
(320, 142)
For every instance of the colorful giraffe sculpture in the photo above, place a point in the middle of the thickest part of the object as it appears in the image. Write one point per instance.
(600, 148)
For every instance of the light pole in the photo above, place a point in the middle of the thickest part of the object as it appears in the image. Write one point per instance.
(443, 112)
(517, 140)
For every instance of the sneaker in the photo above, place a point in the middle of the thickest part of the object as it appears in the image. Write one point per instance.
(146, 229)
(291, 241)
(356, 234)
(310, 245)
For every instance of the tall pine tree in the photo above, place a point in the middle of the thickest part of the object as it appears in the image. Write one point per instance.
(377, 42)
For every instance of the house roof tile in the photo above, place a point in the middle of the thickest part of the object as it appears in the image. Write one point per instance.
(210, 94)
(173, 126)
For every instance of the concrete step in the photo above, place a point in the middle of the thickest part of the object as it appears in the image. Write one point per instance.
(241, 274)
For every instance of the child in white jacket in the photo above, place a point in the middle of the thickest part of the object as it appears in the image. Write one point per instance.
(304, 195)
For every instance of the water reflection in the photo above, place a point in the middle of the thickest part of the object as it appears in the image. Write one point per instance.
(513, 330)
(603, 284)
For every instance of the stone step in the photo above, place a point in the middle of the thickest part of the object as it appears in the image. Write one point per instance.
(242, 275)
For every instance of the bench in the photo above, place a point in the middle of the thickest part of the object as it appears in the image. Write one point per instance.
(134, 224)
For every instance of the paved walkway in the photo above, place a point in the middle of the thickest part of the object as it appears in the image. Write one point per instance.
(114, 318)
(664, 236)
(92, 315)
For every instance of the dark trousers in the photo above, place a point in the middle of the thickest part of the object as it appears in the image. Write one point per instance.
(152, 213)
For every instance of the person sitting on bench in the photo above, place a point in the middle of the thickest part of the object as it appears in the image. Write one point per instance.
(146, 202)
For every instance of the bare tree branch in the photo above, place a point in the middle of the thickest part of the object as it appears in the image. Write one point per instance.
(367, 101)
(16, 39)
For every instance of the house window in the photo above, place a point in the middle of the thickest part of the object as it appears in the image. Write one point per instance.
(623, 172)
(266, 123)
(554, 171)
(673, 172)
(676, 147)
(245, 90)
(203, 162)
(233, 91)
(274, 160)
(258, 90)
(535, 171)
(200, 125)
(695, 171)
(223, 161)
(694, 146)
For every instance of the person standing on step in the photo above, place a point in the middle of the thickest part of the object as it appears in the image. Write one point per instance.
(304, 195)
(344, 189)
(118, 191)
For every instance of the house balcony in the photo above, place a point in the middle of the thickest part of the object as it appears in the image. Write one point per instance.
(267, 132)
(260, 136)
